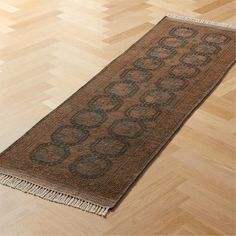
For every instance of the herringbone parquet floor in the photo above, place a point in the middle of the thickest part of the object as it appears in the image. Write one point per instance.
(49, 49)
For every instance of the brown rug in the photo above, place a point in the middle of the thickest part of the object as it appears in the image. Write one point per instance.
(91, 149)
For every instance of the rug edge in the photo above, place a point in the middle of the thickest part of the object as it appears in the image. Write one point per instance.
(87, 205)
(51, 195)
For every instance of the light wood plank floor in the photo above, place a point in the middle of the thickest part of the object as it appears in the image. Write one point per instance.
(49, 49)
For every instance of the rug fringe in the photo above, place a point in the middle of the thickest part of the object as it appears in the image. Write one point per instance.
(202, 21)
(52, 195)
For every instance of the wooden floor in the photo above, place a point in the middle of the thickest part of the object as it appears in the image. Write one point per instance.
(49, 49)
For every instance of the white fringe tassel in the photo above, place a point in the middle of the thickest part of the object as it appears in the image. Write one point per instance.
(202, 21)
(51, 195)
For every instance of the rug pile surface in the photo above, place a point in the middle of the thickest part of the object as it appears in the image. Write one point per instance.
(91, 149)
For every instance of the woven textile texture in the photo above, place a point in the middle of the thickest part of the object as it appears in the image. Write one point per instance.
(91, 149)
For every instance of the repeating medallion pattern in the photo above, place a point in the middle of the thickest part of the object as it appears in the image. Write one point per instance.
(116, 142)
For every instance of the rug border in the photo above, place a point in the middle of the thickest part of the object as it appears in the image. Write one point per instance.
(68, 199)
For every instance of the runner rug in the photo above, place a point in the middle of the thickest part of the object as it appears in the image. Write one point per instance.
(91, 149)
